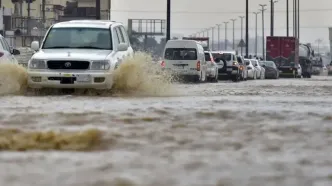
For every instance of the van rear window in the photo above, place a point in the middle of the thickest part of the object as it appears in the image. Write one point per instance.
(181, 54)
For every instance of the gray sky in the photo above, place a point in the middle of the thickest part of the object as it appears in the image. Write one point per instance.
(191, 16)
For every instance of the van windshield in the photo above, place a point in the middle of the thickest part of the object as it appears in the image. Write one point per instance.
(181, 54)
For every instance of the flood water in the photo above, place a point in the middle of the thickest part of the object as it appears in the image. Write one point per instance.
(262, 132)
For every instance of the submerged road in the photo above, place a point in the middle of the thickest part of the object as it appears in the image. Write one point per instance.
(263, 132)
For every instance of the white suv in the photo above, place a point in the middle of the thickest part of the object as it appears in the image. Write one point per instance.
(79, 54)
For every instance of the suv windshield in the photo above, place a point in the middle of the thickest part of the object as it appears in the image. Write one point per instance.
(181, 54)
(92, 38)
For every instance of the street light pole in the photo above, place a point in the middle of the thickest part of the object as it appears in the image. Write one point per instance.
(247, 28)
(226, 34)
(168, 17)
(233, 20)
(298, 19)
(287, 17)
(241, 17)
(218, 26)
(263, 39)
(212, 29)
(256, 32)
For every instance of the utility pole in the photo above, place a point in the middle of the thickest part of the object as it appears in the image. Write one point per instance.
(218, 26)
(212, 29)
(247, 28)
(226, 34)
(43, 10)
(168, 30)
(272, 17)
(263, 39)
(98, 10)
(241, 17)
(256, 33)
(109, 9)
(295, 17)
(287, 17)
(298, 19)
(233, 20)
(29, 18)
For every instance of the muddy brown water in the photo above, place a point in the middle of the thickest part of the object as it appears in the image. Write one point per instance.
(263, 132)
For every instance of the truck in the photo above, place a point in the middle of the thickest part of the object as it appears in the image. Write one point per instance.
(284, 51)
(205, 41)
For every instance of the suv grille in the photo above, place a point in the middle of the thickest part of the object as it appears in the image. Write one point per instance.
(73, 65)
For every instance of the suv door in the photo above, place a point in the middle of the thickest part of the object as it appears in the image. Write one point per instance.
(121, 39)
(6, 51)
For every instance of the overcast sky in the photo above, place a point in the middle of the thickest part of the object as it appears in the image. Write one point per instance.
(191, 16)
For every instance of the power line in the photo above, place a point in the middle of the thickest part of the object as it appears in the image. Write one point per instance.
(278, 28)
(221, 12)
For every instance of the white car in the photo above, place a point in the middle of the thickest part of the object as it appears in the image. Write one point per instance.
(7, 53)
(252, 71)
(212, 67)
(260, 71)
(79, 54)
(185, 59)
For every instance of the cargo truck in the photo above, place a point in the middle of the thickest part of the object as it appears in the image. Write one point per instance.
(284, 51)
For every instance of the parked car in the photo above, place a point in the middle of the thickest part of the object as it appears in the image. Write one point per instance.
(252, 71)
(79, 54)
(260, 70)
(7, 53)
(243, 68)
(271, 70)
(185, 59)
(212, 67)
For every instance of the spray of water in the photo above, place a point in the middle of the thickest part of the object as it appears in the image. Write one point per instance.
(13, 79)
(136, 76)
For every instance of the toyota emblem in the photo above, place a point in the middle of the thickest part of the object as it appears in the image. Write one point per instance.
(68, 64)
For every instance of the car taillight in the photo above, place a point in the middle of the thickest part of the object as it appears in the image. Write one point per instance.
(198, 66)
(1, 54)
(163, 64)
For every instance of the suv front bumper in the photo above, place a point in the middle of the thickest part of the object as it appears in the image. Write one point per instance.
(88, 80)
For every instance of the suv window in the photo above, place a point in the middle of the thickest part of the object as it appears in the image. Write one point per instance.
(207, 56)
(239, 59)
(117, 36)
(125, 35)
(120, 34)
(4, 44)
(79, 37)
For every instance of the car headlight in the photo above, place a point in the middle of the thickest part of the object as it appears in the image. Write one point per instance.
(100, 65)
(37, 64)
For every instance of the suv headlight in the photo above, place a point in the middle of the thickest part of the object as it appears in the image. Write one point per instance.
(100, 65)
(37, 64)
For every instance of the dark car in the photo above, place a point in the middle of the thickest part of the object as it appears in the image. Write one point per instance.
(271, 70)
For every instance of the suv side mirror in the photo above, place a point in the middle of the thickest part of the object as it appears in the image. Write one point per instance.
(15, 52)
(122, 47)
(35, 45)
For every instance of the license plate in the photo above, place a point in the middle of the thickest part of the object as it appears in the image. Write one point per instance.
(67, 75)
(229, 69)
(83, 78)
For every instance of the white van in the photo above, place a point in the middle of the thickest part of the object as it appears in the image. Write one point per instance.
(186, 59)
